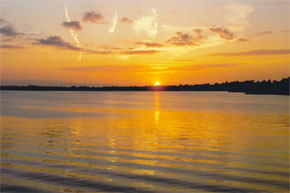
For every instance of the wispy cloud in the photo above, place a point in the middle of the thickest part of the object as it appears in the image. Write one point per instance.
(56, 41)
(202, 66)
(285, 30)
(148, 24)
(149, 44)
(109, 47)
(3, 21)
(75, 25)
(253, 53)
(126, 20)
(140, 52)
(182, 39)
(73, 32)
(237, 13)
(98, 52)
(5, 46)
(264, 33)
(223, 32)
(185, 39)
(199, 35)
(9, 31)
(243, 40)
(93, 17)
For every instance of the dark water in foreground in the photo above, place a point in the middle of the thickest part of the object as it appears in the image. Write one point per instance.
(144, 142)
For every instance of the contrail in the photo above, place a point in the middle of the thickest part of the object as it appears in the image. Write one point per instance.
(112, 29)
(148, 24)
(73, 32)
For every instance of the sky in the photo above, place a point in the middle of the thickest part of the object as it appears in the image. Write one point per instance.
(133, 42)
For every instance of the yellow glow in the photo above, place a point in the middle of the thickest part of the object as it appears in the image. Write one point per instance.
(157, 83)
(156, 107)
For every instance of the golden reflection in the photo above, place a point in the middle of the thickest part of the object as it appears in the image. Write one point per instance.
(112, 145)
(156, 107)
(180, 139)
(76, 131)
(76, 128)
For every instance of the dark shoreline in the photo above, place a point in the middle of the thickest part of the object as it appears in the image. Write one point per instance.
(248, 87)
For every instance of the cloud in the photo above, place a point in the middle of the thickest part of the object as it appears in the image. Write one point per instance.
(9, 31)
(285, 30)
(243, 40)
(105, 47)
(8, 39)
(199, 35)
(56, 41)
(12, 47)
(149, 44)
(3, 21)
(73, 32)
(112, 28)
(237, 13)
(140, 52)
(184, 39)
(197, 30)
(97, 52)
(126, 20)
(202, 66)
(254, 53)
(264, 33)
(75, 25)
(148, 24)
(93, 17)
(223, 32)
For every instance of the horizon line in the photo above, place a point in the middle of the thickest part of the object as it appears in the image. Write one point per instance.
(152, 85)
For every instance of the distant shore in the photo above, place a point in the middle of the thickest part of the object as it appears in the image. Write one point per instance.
(248, 87)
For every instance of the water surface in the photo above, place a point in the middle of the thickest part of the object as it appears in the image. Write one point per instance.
(144, 142)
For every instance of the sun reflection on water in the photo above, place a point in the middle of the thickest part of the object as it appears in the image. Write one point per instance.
(156, 107)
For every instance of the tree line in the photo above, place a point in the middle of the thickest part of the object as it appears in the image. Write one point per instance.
(249, 87)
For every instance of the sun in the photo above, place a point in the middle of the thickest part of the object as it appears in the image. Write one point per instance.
(157, 83)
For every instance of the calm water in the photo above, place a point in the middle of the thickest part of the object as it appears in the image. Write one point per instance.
(144, 142)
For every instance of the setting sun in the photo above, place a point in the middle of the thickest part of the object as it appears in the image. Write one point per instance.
(157, 83)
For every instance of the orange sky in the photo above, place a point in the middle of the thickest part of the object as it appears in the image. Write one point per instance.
(53, 42)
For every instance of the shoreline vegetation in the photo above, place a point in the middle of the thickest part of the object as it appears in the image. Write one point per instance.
(248, 87)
